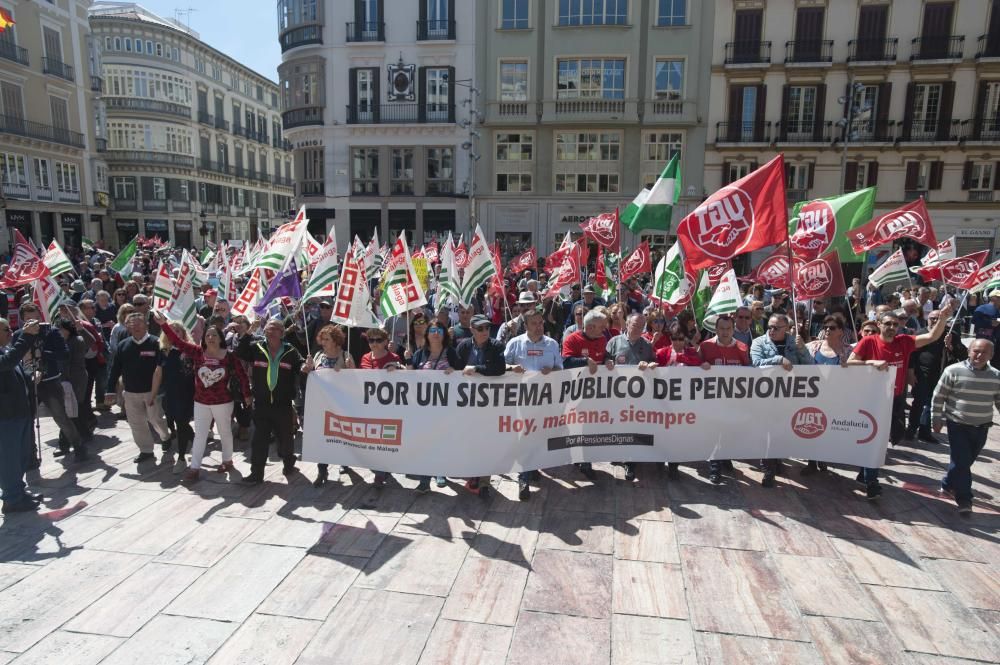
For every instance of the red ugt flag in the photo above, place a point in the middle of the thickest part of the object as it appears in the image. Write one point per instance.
(820, 278)
(956, 272)
(603, 230)
(909, 221)
(526, 261)
(639, 262)
(25, 265)
(742, 216)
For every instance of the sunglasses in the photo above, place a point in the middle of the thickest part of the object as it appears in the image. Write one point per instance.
(420, 322)
(776, 327)
(680, 338)
(435, 330)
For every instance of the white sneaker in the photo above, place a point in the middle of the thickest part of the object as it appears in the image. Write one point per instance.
(180, 465)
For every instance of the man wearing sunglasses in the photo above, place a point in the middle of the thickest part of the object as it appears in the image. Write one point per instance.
(480, 355)
(889, 348)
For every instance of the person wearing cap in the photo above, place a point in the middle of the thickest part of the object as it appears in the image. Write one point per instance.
(986, 323)
(590, 300)
(526, 302)
(78, 288)
(481, 356)
(207, 305)
(323, 320)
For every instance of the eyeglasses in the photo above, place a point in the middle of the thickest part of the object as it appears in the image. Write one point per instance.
(435, 330)
(379, 340)
(420, 322)
(781, 327)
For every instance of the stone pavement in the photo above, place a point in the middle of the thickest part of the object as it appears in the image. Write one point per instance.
(126, 566)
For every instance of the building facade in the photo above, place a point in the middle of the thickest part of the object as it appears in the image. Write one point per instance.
(192, 138)
(374, 104)
(584, 104)
(54, 182)
(901, 95)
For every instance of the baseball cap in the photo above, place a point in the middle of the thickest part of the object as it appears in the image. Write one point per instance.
(479, 320)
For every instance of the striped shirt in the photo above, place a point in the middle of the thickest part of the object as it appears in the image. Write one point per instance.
(965, 395)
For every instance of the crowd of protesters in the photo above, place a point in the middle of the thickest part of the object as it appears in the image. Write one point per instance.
(109, 350)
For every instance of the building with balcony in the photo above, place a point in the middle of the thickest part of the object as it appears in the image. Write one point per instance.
(377, 102)
(583, 104)
(53, 180)
(919, 81)
(192, 138)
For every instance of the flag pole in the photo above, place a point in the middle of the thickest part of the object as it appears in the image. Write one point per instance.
(958, 311)
(791, 287)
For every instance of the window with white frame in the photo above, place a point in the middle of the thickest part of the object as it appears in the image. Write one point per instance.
(440, 170)
(588, 162)
(514, 162)
(926, 106)
(738, 170)
(364, 171)
(42, 173)
(513, 80)
(862, 179)
(593, 12)
(798, 176)
(147, 84)
(657, 149)
(159, 189)
(669, 79)
(514, 14)
(100, 178)
(401, 181)
(671, 12)
(123, 188)
(12, 171)
(67, 180)
(590, 78)
(302, 85)
(982, 176)
(151, 136)
(800, 115)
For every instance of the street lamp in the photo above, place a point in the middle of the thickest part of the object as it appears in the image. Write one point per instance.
(857, 111)
(471, 146)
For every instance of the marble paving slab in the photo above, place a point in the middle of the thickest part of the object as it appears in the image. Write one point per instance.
(486, 591)
(314, 587)
(167, 640)
(637, 640)
(572, 583)
(556, 639)
(232, 589)
(464, 643)
(374, 627)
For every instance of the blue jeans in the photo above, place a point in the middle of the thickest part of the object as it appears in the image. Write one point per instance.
(13, 434)
(967, 441)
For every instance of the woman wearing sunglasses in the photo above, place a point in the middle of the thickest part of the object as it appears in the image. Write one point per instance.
(831, 349)
(436, 353)
(656, 332)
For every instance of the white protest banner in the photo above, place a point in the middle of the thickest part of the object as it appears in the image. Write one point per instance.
(406, 421)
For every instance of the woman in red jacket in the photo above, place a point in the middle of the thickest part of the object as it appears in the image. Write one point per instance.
(214, 368)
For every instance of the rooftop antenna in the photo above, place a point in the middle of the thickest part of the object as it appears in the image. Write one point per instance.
(186, 13)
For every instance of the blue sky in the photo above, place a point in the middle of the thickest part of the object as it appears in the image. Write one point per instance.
(245, 30)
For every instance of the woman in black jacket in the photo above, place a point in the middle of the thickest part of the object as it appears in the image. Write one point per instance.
(436, 353)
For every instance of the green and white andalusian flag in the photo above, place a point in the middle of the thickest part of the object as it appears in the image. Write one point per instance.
(653, 208)
(402, 291)
(893, 269)
(87, 244)
(725, 300)
(480, 268)
(449, 284)
(122, 264)
(822, 226)
(55, 259)
(986, 279)
(670, 281)
(702, 297)
(323, 280)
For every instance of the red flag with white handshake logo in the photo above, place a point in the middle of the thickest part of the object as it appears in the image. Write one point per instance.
(25, 265)
(820, 278)
(638, 262)
(957, 272)
(526, 261)
(745, 215)
(909, 221)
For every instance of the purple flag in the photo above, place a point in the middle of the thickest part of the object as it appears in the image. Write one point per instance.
(285, 284)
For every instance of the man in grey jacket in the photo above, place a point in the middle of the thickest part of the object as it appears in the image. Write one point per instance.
(777, 347)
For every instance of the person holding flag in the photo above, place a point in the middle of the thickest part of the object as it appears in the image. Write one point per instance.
(15, 417)
(215, 370)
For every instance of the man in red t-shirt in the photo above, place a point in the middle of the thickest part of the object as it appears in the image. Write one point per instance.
(587, 348)
(723, 349)
(891, 349)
